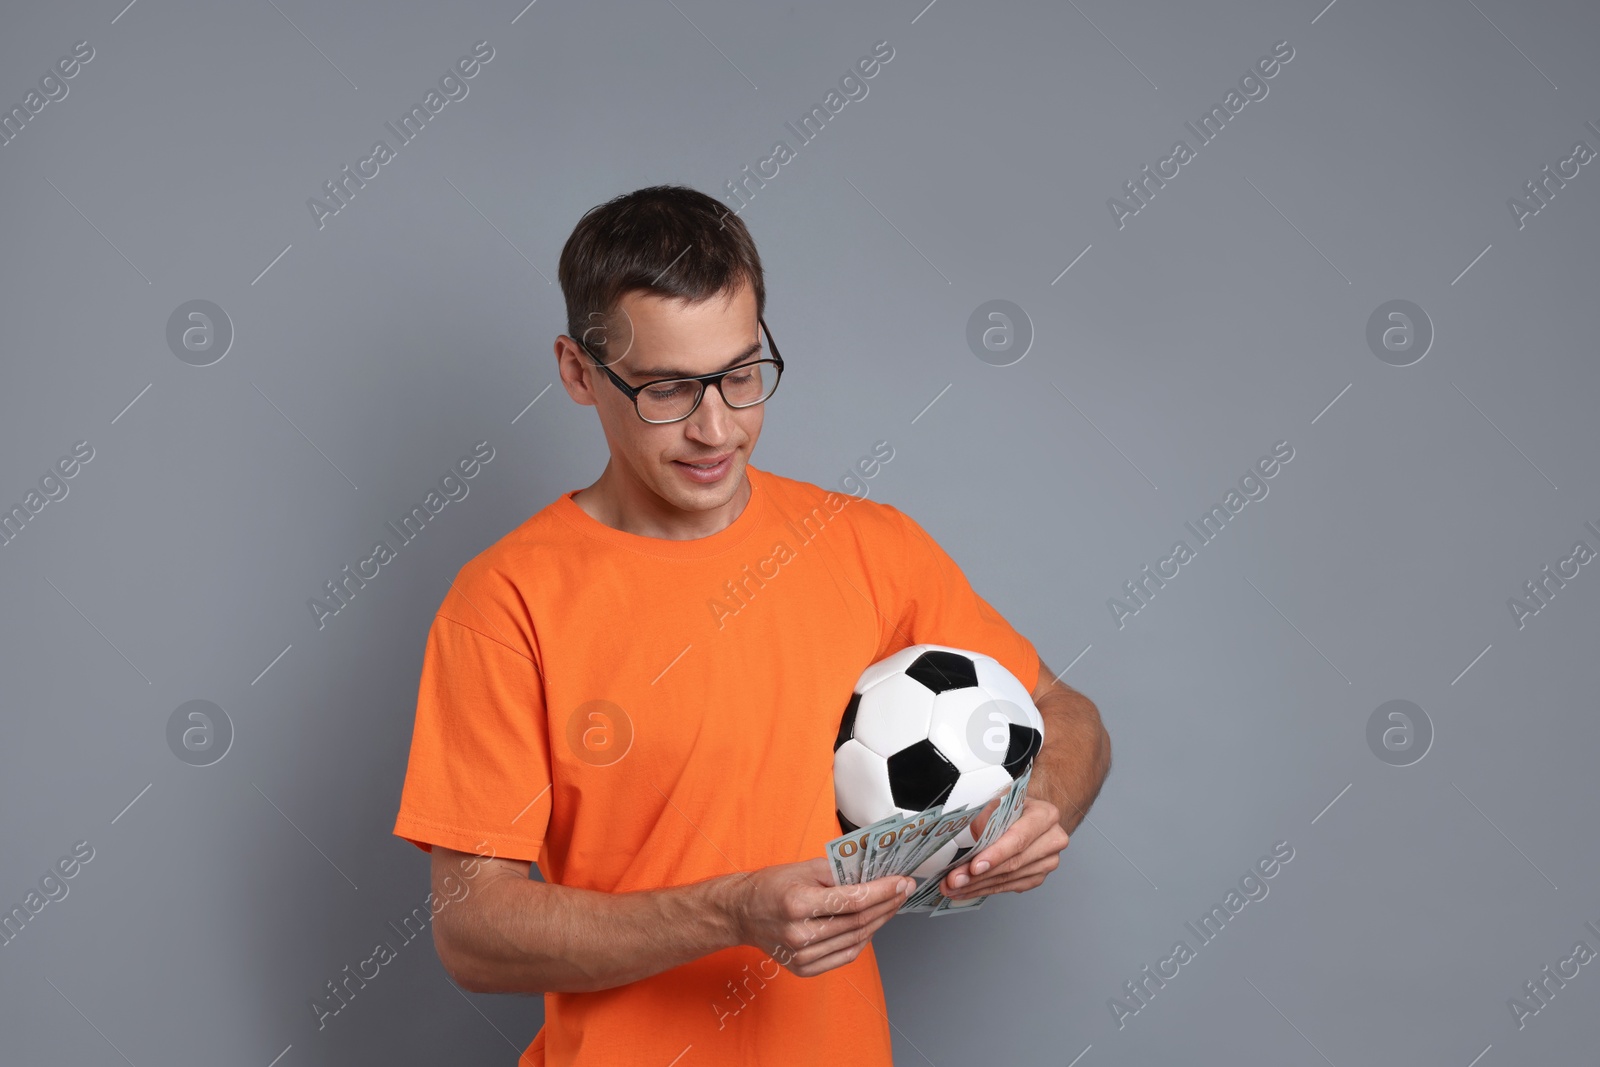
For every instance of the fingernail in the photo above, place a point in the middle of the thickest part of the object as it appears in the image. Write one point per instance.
(980, 866)
(958, 880)
(907, 885)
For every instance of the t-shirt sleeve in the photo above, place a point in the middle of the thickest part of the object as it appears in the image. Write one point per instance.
(937, 605)
(479, 770)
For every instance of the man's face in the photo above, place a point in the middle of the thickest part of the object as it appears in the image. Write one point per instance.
(652, 337)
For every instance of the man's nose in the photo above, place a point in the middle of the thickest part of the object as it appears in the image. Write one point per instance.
(713, 417)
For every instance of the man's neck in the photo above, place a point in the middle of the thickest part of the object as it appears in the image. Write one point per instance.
(646, 514)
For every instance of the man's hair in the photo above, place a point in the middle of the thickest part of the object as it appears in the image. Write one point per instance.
(669, 240)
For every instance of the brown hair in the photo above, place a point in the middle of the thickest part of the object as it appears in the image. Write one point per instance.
(669, 240)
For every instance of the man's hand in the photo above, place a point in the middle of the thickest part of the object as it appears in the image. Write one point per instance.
(1028, 851)
(795, 913)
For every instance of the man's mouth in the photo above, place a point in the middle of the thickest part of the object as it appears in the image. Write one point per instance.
(708, 469)
(708, 463)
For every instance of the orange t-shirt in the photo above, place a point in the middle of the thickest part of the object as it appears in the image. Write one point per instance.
(634, 713)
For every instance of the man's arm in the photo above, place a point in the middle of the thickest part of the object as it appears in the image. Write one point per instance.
(506, 933)
(512, 934)
(1071, 766)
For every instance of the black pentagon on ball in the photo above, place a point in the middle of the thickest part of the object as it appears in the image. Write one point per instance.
(961, 851)
(845, 825)
(1024, 745)
(847, 725)
(920, 776)
(941, 671)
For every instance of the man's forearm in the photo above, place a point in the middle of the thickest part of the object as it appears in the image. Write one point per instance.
(525, 936)
(1075, 757)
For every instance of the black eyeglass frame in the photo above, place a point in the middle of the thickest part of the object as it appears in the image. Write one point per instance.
(706, 380)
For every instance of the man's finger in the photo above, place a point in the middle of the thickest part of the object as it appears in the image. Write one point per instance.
(857, 897)
(1038, 818)
(840, 932)
(1032, 843)
(1045, 849)
(980, 820)
(1010, 885)
(1017, 837)
(823, 929)
(1049, 840)
(997, 883)
(844, 955)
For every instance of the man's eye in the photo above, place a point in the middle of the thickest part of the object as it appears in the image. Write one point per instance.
(660, 392)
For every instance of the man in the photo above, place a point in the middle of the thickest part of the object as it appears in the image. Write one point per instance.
(638, 688)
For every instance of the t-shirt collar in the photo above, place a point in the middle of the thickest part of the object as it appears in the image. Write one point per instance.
(723, 540)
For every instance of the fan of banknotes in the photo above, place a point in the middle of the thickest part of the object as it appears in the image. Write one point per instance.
(900, 844)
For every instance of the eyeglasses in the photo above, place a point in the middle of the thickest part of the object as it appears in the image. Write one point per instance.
(675, 399)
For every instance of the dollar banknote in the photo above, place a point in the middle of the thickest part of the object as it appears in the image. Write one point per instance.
(880, 847)
(939, 831)
(846, 854)
(909, 837)
(1006, 813)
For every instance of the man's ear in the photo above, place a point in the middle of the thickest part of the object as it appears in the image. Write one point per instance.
(570, 365)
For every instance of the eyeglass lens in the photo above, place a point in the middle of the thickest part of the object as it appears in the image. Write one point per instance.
(666, 401)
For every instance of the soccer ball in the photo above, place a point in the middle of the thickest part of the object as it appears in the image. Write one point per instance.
(932, 725)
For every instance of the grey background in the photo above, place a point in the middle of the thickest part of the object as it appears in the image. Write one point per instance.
(1224, 317)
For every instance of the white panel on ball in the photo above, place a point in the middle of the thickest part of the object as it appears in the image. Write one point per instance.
(979, 787)
(893, 714)
(1003, 684)
(861, 783)
(950, 725)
